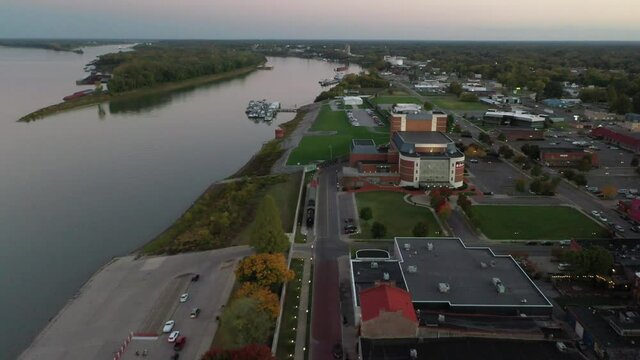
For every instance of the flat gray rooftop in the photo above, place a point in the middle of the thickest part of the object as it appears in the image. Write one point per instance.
(451, 262)
(431, 137)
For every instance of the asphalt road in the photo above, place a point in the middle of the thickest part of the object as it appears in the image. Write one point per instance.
(139, 295)
(326, 313)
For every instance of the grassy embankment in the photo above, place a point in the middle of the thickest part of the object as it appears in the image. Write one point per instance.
(289, 325)
(322, 147)
(534, 222)
(159, 89)
(399, 217)
(223, 215)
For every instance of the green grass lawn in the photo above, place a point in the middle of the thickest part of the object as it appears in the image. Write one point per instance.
(535, 222)
(289, 324)
(399, 217)
(323, 147)
(452, 103)
(396, 100)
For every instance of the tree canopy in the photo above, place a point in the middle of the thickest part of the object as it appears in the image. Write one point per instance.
(267, 235)
(246, 323)
(248, 352)
(264, 269)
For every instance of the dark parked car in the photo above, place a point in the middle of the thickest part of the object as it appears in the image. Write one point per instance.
(348, 221)
(195, 277)
(350, 229)
(179, 344)
(337, 351)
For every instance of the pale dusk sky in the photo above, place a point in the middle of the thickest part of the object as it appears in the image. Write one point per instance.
(327, 19)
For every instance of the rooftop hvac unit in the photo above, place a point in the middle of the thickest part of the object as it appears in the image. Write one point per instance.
(523, 301)
(444, 287)
(407, 246)
(430, 246)
(493, 263)
(499, 286)
(413, 353)
(441, 318)
(412, 269)
(483, 264)
(385, 276)
(374, 265)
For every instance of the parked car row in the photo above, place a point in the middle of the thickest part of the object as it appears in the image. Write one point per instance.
(174, 337)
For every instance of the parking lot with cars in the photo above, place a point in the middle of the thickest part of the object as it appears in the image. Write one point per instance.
(364, 117)
(141, 296)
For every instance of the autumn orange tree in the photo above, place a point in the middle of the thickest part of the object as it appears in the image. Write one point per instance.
(268, 301)
(609, 191)
(264, 270)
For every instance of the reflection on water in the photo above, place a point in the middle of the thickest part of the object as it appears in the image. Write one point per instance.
(150, 102)
(77, 190)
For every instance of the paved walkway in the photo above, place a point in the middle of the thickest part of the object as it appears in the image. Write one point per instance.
(292, 140)
(301, 330)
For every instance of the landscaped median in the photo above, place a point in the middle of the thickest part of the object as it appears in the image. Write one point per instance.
(289, 324)
(335, 140)
(514, 222)
(398, 216)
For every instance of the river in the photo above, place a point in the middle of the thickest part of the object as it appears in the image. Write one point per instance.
(79, 188)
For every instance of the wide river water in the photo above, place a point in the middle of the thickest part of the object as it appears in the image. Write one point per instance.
(79, 188)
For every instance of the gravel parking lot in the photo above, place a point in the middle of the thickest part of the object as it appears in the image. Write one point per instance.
(139, 295)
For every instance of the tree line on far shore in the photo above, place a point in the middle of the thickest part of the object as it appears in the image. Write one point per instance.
(151, 65)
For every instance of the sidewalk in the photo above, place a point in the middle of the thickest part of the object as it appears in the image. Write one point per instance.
(301, 331)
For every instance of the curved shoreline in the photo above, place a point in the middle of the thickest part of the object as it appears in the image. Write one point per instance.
(100, 98)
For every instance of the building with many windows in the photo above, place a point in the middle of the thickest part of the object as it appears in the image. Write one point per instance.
(419, 155)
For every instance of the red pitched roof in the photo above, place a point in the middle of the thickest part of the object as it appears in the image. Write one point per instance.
(386, 298)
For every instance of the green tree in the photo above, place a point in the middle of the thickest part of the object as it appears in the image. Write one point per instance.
(521, 185)
(536, 186)
(485, 138)
(502, 137)
(635, 102)
(249, 352)
(267, 235)
(366, 213)
(245, 323)
(468, 97)
(580, 179)
(568, 173)
(536, 170)
(378, 230)
(553, 89)
(506, 151)
(421, 229)
(621, 105)
(427, 106)
(585, 163)
(455, 88)
(594, 260)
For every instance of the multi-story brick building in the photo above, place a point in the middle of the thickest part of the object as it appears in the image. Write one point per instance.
(419, 154)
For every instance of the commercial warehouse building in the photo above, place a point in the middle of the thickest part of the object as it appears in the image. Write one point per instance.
(444, 276)
(513, 118)
(565, 155)
(618, 136)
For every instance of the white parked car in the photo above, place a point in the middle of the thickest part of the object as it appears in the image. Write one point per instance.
(595, 213)
(184, 297)
(173, 336)
(619, 228)
(168, 326)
